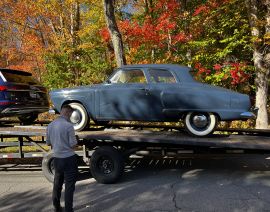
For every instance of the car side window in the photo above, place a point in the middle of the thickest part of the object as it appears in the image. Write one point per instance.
(161, 76)
(128, 76)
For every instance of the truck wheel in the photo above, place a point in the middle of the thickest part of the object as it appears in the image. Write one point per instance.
(28, 118)
(79, 117)
(48, 167)
(106, 165)
(200, 124)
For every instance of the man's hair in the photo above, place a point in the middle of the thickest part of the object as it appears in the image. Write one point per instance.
(67, 108)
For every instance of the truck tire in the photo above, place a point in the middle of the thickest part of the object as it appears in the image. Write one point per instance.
(48, 167)
(106, 165)
(28, 118)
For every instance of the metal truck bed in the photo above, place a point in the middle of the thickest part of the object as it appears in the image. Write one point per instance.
(176, 138)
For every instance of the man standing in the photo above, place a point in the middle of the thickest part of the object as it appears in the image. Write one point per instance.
(61, 136)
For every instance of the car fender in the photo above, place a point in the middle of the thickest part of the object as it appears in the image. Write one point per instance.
(86, 98)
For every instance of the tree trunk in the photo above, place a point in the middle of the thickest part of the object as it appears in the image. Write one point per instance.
(74, 29)
(261, 100)
(260, 57)
(114, 32)
(75, 19)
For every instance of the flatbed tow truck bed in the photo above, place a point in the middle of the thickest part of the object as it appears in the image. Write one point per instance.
(107, 150)
(133, 137)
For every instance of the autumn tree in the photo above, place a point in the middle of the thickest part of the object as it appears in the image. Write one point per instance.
(259, 19)
(77, 54)
(22, 38)
(116, 36)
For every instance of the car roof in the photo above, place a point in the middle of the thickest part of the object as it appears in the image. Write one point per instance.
(13, 71)
(183, 72)
(170, 66)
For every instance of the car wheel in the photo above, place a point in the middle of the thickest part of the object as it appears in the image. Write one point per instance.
(79, 118)
(28, 118)
(200, 124)
(48, 167)
(106, 165)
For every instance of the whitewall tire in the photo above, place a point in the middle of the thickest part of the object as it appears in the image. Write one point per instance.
(79, 117)
(200, 123)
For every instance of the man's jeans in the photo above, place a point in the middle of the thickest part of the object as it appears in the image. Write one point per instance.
(66, 170)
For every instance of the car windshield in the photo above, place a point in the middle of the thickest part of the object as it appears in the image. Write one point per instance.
(19, 78)
(128, 76)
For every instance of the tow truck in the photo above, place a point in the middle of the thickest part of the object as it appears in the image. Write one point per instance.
(107, 150)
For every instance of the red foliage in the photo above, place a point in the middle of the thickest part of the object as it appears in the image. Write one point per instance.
(237, 74)
(180, 38)
(202, 70)
(201, 9)
(217, 67)
(208, 6)
(153, 31)
(234, 73)
(105, 34)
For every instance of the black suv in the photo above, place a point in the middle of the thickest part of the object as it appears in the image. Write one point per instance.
(21, 95)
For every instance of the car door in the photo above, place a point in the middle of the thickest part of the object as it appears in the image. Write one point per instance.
(163, 87)
(126, 97)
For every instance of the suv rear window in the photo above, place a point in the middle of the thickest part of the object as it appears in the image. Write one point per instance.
(19, 78)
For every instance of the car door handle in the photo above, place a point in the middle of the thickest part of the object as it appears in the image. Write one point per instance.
(146, 90)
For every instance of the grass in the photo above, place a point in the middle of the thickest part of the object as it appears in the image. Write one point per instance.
(25, 149)
(15, 149)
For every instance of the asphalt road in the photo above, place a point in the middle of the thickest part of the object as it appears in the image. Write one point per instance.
(223, 183)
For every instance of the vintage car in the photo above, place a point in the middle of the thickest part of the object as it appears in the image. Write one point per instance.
(154, 93)
(21, 95)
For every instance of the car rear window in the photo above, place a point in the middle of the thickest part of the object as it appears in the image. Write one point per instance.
(161, 76)
(19, 78)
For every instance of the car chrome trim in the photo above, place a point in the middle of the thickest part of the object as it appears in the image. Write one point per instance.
(255, 110)
(75, 117)
(248, 115)
(200, 120)
(52, 111)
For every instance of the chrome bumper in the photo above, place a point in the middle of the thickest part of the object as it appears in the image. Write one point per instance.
(52, 111)
(250, 114)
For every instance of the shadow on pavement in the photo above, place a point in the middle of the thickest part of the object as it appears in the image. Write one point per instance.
(216, 183)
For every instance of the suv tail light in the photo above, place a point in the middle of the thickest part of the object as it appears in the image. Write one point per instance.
(3, 88)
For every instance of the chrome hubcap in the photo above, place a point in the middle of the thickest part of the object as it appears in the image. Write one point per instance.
(200, 120)
(75, 117)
